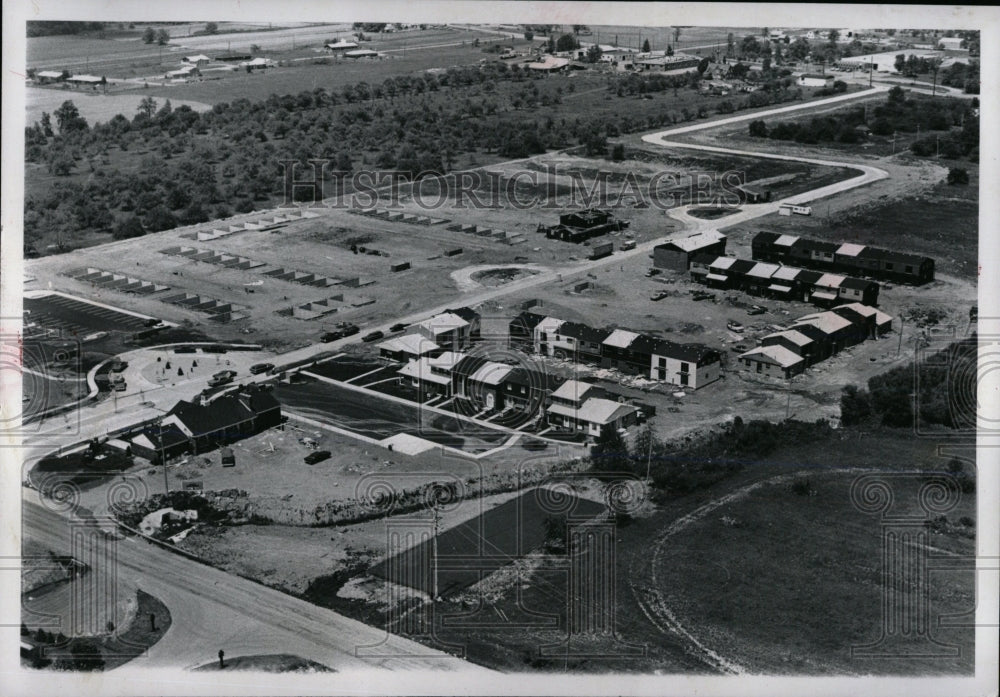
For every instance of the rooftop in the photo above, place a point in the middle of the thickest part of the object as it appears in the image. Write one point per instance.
(776, 355)
(621, 338)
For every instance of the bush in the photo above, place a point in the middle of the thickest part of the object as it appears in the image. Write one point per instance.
(128, 228)
(802, 487)
(958, 176)
(855, 405)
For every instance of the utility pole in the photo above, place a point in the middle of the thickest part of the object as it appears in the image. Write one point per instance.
(649, 458)
(434, 552)
(899, 346)
(163, 461)
(788, 401)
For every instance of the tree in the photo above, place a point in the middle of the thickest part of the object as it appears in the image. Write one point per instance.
(758, 129)
(149, 35)
(618, 152)
(670, 50)
(128, 228)
(958, 176)
(730, 44)
(833, 35)
(677, 34)
(162, 37)
(900, 63)
(211, 28)
(567, 42)
(147, 107)
(529, 35)
(160, 218)
(645, 46)
(69, 119)
(799, 49)
(46, 123)
(85, 656)
(703, 65)
(594, 54)
(555, 534)
(610, 454)
(896, 95)
(855, 405)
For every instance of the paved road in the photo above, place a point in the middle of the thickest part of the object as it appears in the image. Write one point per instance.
(214, 610)
(211, 607)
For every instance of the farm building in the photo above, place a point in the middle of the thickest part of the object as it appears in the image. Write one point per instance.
(85, 80)
(341, 45)
(407, 347)
(677, 254)
(665, 63)
(198, 60)
(815, 80)
(951, 43)
(846, 257)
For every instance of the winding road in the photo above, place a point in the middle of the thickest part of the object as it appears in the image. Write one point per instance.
(212, 609)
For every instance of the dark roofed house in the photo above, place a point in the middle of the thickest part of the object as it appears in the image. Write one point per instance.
(677, 254)
(588, 340)
(527, 390)
(522, 330)
(857, 290)
(686, 365)
(153, 442)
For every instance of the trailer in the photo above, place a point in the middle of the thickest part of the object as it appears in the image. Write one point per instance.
(601, 250)
(788, 209)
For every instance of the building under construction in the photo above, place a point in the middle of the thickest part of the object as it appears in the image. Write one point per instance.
(583, 225)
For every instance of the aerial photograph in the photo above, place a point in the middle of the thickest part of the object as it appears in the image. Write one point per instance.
(498, 349)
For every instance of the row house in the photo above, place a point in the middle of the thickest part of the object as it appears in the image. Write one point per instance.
(814, 338)
(783, 282)
(448, 330)
(480, 381)
(847, 257)
(407, 347)
(688, 365)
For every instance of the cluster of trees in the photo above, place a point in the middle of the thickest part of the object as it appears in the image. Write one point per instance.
(686, 469)
(159, 36)
(897, 114)
(963, 76)
(48, 28)
(942, 391)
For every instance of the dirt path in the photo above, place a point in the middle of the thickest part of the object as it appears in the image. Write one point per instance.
(645, 585)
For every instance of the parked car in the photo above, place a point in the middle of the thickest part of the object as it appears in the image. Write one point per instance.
(756, 310)
(659, 295)
(151, 322)
(258, 368)
(703, 296)
(652, 272)
(628, 244)
(735, 327)
(740, 348)
(223, 377)
(331, 336)
(373, 336)
(119, 386)
(398, 327)
(317, 456)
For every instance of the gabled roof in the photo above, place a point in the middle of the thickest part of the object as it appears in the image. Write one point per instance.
(808, 277)
(764, 237)
(620, 338)
(549, 325)
(828, 322)
(741, 266)
(796, 337)
(867, 311)
(421, 370)
(583, 332)
(695, 242)
(762, 270)
(595, 410)
(573, 390)
(447, 360)
(491, 373)
(222, 413)
(703, 258)
(466, 313)
(786, 240)
(444, 322)
(722, 263)
(413, 344)
(857, 283)
(830, 280)
(775, 355)
(786, 273)
(849, 249)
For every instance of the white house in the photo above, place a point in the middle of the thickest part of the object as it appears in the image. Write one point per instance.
(815, 80)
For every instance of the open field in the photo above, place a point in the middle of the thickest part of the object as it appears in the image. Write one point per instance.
(93, 106)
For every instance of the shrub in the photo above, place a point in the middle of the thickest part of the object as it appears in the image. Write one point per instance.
(958, 176)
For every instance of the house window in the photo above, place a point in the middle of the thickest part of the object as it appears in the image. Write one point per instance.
(663, 362)
(542, 336)
(684, 367)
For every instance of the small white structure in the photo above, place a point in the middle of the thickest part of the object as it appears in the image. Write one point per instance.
(815, 80)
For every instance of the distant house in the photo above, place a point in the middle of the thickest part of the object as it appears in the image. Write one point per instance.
(773, 361)
(183, 71)
(815, 80)
(85, 80)
(549, 64)
(257, 64)
(407, 347)
(341, 45)
(951, 43)
(200, 59)
(355, 54)
(676, 254)
(44, 77)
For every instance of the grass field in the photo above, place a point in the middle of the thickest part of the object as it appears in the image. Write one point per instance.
(93, 106)
(484, 544)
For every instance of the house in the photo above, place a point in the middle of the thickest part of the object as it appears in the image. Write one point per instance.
(549, 64)
(880, 322)
(772, 361)
(585, 340)
(44, 77)
(521, 331)
(951, 43)
(547, 340)
(447, 330)
(676, 254)
(795, 341)
(851, 258)
(584, 408)
(839, 332)
(815, 80)
(198, 60)
(480, 381)
(470, 316)
(407, 347)
(199, 427)
(616, 353)
(341, 45)
(257, 64)
(686, 365)
(752, 194)
(527, 391)
(182, 72)
(431, 375)
(85, 80)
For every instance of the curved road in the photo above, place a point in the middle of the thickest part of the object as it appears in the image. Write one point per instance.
(211, 607)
